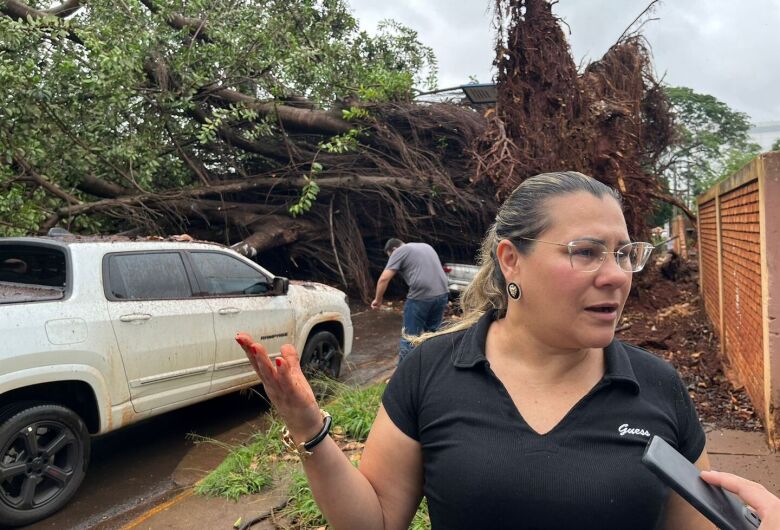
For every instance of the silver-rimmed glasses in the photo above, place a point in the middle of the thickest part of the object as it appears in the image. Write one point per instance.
(587, 255)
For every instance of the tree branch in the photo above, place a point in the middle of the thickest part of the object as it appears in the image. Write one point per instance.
(219, 212)
(65, 129)
(65, 9)
(48, 224)
(101, 188)
(295, 118)
(177, 21)
(196, 167)
(675, 202)
(231, 137)
(309, 120)
(41, 181)
(325, 183)
(264, 182)
(20, 11)
(275, 231)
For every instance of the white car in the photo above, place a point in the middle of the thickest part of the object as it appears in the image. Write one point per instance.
(100, 333)
(459, 276)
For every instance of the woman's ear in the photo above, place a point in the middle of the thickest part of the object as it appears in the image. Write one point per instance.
(508, 258)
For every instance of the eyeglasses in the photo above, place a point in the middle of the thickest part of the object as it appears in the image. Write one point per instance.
(587, 256)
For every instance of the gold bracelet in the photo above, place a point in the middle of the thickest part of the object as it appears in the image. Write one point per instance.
(303, 450)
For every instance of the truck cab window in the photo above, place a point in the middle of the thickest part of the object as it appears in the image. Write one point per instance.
(223, 275)
(148, 276)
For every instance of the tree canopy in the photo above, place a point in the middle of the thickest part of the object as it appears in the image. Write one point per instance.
(712, 143)
(149, 95)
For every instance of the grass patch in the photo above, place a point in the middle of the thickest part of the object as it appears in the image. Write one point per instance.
(305, 513)
(354, 410)
(302, 509)
(250, 467)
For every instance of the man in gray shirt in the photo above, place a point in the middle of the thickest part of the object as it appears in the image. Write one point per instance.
(426, 300)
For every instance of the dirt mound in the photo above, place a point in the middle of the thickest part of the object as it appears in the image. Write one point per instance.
(667, 318)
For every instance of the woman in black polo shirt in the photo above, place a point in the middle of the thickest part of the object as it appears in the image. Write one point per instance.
(528, 414)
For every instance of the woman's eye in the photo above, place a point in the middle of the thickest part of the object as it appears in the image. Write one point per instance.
(584, 252)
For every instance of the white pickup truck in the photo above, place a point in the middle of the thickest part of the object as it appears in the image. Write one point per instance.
(459, 276)
(96, 334)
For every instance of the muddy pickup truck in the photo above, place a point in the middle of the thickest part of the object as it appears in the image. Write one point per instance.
(98, 334)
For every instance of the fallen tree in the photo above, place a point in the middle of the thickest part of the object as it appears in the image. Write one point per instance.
(281, 130)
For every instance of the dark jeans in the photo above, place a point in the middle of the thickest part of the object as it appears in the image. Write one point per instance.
(421, 316)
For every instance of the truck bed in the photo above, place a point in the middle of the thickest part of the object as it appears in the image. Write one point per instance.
(14, 293)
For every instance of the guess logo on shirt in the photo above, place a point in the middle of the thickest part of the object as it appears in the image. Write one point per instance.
(626, 429)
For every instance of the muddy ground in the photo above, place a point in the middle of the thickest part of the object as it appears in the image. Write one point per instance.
(667, 318)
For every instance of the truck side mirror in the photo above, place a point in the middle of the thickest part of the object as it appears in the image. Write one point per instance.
(280, 285)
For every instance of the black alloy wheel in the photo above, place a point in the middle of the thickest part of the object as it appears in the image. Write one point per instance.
(322, 354)
(44, 450)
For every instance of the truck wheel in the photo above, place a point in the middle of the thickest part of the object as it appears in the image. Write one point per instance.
(322, 354)
(44, 451)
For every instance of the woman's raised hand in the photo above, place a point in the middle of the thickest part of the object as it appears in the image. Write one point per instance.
(286, 387)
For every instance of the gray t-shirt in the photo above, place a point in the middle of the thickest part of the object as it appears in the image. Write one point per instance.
(421, 269)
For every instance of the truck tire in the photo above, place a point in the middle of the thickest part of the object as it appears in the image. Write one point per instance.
(322, 355)
(44, 451)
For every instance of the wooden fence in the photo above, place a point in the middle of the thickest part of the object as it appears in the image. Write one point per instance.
(739, 264)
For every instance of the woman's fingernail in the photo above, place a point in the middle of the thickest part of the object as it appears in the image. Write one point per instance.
(278, 361)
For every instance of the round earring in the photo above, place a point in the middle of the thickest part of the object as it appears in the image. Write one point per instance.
(514, 291)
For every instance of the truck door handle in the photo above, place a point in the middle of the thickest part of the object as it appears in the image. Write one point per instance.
(229, 311)
(135, 317)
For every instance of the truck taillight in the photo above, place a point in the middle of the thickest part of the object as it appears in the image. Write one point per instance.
(447, 269)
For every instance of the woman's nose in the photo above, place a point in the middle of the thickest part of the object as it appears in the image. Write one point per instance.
(610, 272)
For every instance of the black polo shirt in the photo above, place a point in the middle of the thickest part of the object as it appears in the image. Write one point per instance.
(484, 467)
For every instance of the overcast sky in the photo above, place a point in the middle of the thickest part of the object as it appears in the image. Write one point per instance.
(727, 48)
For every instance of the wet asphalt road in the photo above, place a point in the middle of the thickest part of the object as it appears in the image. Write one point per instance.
(142, 465)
